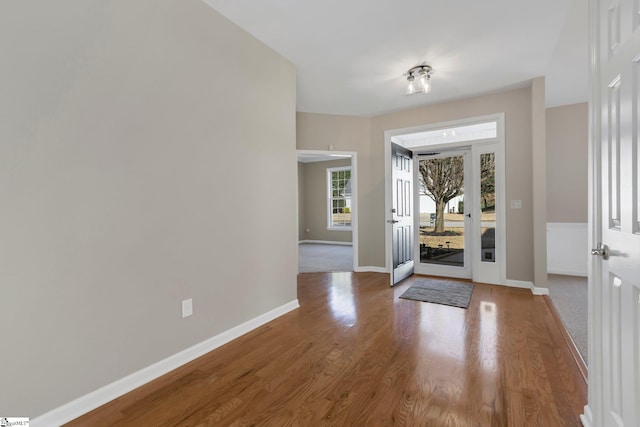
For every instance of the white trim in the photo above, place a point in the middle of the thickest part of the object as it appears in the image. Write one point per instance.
(593, 414)
(91, 401)
(539, 291)
(325, 242)
(330, 198)
(338, 154)
(587, 417)
(535, 290)
(519, 284)
(565, 272)
(371, 269)
(355, 208)
(501, 196)
(388, 201)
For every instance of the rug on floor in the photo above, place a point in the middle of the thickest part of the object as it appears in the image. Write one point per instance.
(445, 292)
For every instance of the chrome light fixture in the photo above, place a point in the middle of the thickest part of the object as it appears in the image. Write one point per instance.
(419, 78)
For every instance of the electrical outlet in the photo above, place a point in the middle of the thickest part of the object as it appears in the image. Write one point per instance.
(187, 307)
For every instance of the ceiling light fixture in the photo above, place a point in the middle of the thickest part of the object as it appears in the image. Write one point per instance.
(419, 78)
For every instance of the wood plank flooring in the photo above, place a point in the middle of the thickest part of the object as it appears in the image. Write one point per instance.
(355, 354)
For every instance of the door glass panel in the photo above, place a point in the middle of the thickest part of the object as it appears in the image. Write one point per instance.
(442, 211)
(488, 207)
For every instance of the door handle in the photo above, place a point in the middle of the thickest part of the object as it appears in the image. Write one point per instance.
(392, 221)
(601, 250)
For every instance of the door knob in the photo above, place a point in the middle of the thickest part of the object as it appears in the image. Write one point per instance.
(392, 221)
(601, 250)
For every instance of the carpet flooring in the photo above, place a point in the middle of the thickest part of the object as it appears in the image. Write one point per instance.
(569, 296)
(322, 258)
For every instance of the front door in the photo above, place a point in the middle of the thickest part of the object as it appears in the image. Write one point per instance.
(401, 213)
(614, 372)
(445, 214)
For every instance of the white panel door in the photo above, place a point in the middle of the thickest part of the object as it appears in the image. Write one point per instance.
(401, 212)
(615, 290)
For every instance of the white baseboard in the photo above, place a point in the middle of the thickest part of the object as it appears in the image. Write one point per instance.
(579, 273)
(91, 401)
(587, 417)
(519, 284)
(325, 242)
(539, 291)
(370, 269)
(527, 285)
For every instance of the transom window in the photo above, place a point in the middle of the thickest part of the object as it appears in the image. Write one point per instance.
(339, 198)
(475, 132)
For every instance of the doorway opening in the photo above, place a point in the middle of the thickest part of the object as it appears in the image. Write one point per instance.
(459, 198)
(327, 211)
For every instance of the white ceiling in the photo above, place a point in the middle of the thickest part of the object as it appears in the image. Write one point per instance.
(351, 55)
(318, 157)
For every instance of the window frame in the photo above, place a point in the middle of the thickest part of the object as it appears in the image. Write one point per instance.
(331, 198)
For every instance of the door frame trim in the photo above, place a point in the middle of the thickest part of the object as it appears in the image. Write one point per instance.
(593, 409)
(499, 118)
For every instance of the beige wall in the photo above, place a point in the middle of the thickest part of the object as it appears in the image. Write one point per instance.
(539, 181)
(567, 139)
(344, 133)
(132, 135)
(314, 195)
(366, 137)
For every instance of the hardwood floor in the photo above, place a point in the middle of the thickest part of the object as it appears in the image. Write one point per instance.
(355, 354)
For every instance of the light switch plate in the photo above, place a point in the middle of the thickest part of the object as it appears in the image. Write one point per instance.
(187, 307)
(516, 204)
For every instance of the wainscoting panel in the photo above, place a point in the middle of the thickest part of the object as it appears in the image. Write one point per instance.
(567, 248)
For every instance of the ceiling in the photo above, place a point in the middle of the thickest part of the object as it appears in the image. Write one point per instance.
(351, 56)
(320, 157)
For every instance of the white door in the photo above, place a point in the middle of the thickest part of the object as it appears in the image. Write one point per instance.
(471, 243)
(444, 212)
(614, 368)
(401, 213)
